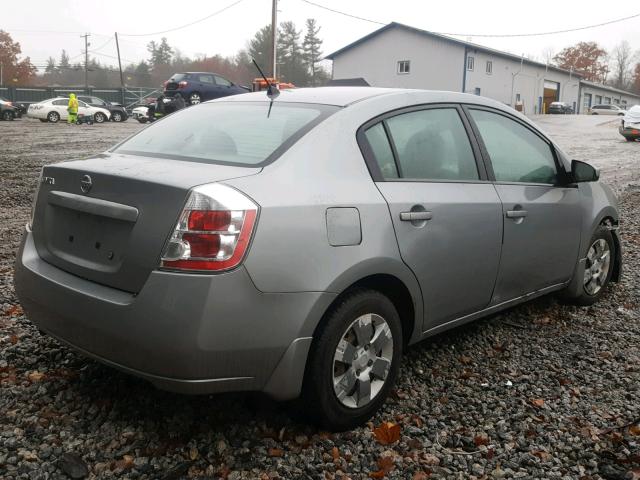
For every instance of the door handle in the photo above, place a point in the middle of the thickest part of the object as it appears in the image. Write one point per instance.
(419, 216)
(516, 213)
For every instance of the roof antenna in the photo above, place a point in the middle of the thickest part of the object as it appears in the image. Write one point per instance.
(272, 89)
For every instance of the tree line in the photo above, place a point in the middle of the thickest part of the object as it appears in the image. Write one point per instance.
(299, 54)
(619, 68)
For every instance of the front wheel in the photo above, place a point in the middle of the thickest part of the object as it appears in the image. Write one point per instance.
(595, 276)
(8, 115)
(117, 117)
(99, 117)
(354, 361)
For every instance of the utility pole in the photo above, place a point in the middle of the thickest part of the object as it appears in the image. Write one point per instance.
(120, 68)
(274, 30)
(86, 61)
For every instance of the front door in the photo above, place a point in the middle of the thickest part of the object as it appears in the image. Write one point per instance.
(447, 217)
(542, 217)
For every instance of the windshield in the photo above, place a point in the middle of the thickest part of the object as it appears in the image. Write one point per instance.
(227, 133)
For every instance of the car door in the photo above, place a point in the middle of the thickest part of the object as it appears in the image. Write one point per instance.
(224, 86)
(446, 215)
(61, 106)
(208, 89)
(541, 211)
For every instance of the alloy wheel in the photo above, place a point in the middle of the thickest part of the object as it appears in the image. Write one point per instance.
(362, 361)
(194, 99)
(116, 117)
(597, 266)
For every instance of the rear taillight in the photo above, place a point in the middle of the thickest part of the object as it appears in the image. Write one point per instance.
(182, 84)
(213, 232)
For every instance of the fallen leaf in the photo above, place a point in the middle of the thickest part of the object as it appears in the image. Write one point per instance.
(14, 311)
(465, 360)
(385, 465)
(634, 429)
(541, 454)
(421, 476)
(35, 376)
(193, 453)
(387, 433)
(537, 402)
(276, 452)
(481, 439)
(335, 453)
(13, 339)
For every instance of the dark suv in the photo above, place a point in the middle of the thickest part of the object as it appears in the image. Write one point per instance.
(196, 87)
(118, 112)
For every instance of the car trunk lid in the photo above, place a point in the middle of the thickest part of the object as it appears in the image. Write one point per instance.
(107, 219)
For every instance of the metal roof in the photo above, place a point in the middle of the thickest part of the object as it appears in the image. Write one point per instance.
(609, 88)
(462, 43)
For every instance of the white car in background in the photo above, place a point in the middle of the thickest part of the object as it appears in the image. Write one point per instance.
(55, 109)
(609, 109)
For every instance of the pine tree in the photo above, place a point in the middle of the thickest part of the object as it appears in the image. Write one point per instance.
(161, 53)
(259, 49)
(292, 67)
(311, 47)
(64, 64)
(51, 66)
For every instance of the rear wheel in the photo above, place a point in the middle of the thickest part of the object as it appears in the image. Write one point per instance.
(53, 117)
(598, 267)
(99, 117)
(354, 361)
(117, 117)
(194, 98)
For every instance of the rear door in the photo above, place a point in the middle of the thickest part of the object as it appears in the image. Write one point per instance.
(446, 215)
(541, 213)
(208, 88)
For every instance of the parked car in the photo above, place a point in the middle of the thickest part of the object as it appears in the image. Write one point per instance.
(197, 87)
(630, 125)
(55, 109)
(560, 107)
(607, 110)
(19, 109)
(289, 247)
(118, 112)
(8, 111)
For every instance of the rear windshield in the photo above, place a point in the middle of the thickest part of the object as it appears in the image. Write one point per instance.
(179, 76)
(244, 134)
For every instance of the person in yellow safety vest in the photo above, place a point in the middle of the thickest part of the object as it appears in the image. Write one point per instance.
(72, 109)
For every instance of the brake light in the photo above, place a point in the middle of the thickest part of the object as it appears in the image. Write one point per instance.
(213, 232)
(182, 84)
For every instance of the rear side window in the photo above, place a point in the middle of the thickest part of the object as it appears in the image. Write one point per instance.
(205, 79)
(430, 144)
(517, 154)
(381, 150)
(231, 133)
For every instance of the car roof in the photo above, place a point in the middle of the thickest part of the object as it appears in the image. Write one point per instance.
(345, 96)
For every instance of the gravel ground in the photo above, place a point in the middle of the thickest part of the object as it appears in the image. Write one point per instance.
(541, 391)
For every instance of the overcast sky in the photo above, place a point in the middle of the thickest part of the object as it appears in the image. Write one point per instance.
(229, 31)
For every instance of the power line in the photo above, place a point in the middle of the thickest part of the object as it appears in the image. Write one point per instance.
(506, 35)
(103, 45)
(186, 24)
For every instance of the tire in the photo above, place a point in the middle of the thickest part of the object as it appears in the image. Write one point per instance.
(600, 260)
(43, 120)
(117, 117)
(8, 115)
(143, 120)
(195, 98)
(53, 117)
(99, 117)
(374, 316)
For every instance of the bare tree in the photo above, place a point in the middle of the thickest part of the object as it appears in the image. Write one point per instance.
(621, 61)
(547, 54)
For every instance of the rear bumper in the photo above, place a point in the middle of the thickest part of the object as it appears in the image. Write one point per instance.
(184, 333)
(633, 133)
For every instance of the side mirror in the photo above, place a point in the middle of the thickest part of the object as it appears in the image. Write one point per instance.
(583, 172)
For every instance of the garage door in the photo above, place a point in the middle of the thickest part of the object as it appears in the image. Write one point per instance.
(551, 94)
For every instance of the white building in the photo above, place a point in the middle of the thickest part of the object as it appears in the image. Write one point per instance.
(397, 55)
(596, 94)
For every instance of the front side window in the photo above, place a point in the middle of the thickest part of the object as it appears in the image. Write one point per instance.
(97, 101)
(222, 81)
(404, 66)
(237, 133)
(430, 144)
(517, 154)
